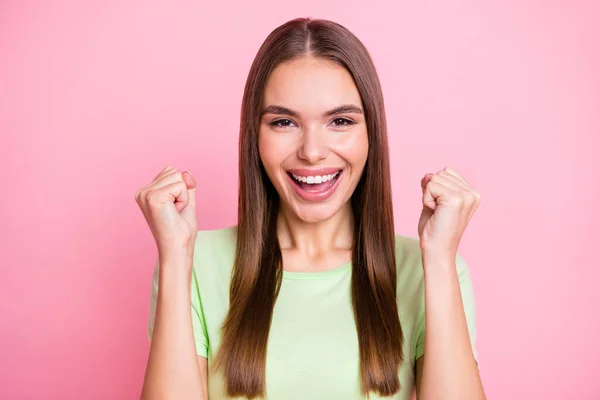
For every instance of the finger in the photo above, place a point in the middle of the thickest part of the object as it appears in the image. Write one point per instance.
(190, 181)
(188, 178)
(473, 194)
(165, 170)
(189, 212)
(455, 173)
(158, 177)
(438, 191)
(168, 172)
(175, 192)
(445, 181)
(441, 177)
(183, 197)
(168, 178)
(431, 191)
(459, 183)
(425, 180)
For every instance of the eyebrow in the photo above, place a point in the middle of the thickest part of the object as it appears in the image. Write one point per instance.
(343, 109)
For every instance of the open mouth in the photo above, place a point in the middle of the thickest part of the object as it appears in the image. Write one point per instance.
(315, 183)
(315, 187)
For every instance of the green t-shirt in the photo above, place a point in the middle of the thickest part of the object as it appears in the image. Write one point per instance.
(312, 348)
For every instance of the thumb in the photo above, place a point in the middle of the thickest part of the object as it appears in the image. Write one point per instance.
(189, 212)
(189, 180)
(429, 193)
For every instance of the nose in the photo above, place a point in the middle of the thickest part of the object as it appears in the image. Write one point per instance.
(314, 147)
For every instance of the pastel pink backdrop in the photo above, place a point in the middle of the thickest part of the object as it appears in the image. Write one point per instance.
(97, 97)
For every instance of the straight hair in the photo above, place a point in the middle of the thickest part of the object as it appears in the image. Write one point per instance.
(257, 271)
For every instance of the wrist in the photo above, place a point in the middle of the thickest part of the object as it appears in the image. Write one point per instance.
(176, 255)
(175, 273)
(438, 260)
(438, 256)
(177, 262)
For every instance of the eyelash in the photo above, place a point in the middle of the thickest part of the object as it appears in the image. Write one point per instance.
(276, 123)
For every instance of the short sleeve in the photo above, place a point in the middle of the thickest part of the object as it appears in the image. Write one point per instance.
(468, 300)
(198, 321)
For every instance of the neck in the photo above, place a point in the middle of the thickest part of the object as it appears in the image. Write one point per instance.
(335, 233)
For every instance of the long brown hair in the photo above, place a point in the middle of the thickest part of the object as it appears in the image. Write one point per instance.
(257, 272)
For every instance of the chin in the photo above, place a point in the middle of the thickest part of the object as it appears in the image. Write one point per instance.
(312, 214)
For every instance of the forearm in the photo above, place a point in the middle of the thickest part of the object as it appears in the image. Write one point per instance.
(449, 371)
(172, 371)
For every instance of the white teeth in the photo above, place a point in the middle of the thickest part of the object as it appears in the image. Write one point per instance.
(311, 180)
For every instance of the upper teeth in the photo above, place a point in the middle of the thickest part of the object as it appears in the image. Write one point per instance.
(315, 179)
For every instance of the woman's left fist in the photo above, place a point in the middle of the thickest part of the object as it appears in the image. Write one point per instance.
(449, 202)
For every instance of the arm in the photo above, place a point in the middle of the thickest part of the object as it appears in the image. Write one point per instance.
(174, 371)
(448, 369)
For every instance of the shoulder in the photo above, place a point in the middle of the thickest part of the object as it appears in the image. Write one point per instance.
(215, 249)
(410, 264)
(408, 250)
(216, 239)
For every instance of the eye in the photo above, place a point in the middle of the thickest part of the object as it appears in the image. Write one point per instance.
(342, 122)
(282, 123)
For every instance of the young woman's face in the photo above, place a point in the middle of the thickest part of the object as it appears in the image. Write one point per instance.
(313, 137)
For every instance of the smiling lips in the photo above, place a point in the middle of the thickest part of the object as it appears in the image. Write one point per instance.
(315, 185)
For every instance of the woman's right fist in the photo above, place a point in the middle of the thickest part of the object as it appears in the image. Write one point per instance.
(169, 206)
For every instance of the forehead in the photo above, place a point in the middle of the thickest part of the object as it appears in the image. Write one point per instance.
(311, 86)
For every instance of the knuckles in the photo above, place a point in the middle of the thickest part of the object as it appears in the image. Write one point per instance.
(458, 198)
(147, 194)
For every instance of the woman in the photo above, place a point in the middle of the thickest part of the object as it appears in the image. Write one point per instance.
(311, 295)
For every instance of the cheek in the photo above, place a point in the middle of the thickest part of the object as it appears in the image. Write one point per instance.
(266, 150)
(354, 148)
(272, 152)
(277, 146)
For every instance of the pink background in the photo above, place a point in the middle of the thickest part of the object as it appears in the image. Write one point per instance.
(96, 97)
